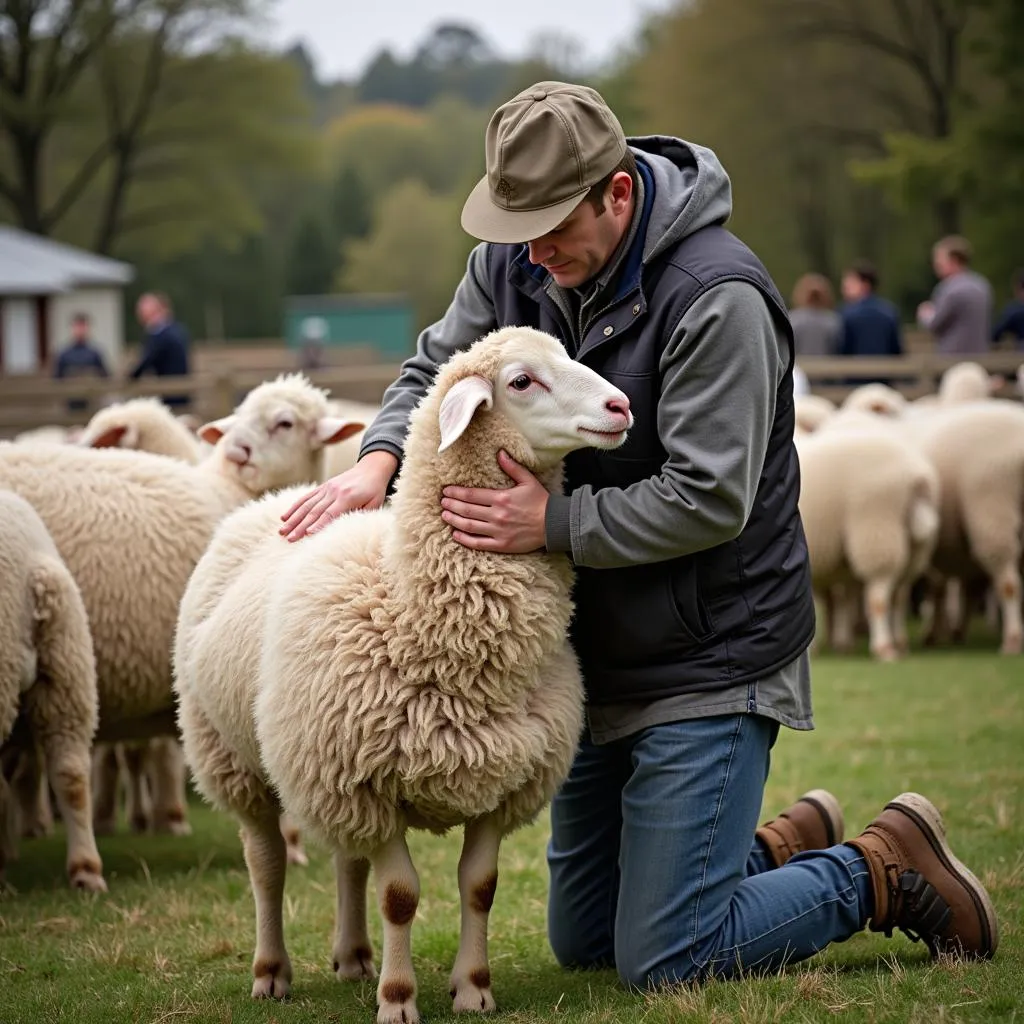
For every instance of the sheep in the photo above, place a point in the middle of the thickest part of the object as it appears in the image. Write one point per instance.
(812, 411)
(870, 508)
(378, 676)
(131, 526)
(978, 450)
(47, 681)
(143, 424)
(876, 398)
(55, 435)
(967, 382)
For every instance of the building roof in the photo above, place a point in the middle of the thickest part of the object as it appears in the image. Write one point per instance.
(33, 265)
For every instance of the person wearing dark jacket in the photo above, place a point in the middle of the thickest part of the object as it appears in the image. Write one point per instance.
(693, 605)
(165, 351)
(1011, 319)
(871, 325)
(80, 358)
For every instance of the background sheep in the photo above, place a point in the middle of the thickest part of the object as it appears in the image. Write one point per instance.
(812, 411)
(869, 504)
(47, 680)
(146, 425)
(131, 526)
(385, 677)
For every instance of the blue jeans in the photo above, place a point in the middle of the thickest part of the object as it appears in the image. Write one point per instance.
(655, 869)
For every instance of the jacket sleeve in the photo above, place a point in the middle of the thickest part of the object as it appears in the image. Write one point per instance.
(469, 317)
(720, 371)
(150, 348)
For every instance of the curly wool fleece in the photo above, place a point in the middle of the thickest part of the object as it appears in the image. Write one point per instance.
(395, 677)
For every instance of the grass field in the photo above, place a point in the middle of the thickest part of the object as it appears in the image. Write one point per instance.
(172, 941)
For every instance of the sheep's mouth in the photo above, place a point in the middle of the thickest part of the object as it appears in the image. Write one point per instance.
(606, 438)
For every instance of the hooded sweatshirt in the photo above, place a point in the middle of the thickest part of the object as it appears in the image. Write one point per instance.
(714, 414)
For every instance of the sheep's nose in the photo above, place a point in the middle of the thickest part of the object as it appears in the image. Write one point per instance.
(239, 453)
(620, 406)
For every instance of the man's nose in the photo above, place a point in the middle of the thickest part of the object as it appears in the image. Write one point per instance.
(540, 250)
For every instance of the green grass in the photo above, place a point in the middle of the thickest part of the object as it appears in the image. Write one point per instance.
(172, 941)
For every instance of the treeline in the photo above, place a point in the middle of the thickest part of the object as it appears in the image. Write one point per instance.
(232, 177)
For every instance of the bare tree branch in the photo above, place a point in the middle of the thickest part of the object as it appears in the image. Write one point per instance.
(74, 189)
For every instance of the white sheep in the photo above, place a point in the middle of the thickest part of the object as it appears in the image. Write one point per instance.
(340, 457)
(877, 398)
(378, 676)
(47, 681)
(870, 508)
(967, 382)
(978, 450)
(145, 425)
(131, 526)
(812, 411)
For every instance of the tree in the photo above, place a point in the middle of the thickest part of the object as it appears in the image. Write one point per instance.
(312, 259)
(351, 206)
(50, 50)
(416, 248)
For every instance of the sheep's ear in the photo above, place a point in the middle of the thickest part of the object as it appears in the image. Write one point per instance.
(110, 438)
(459, 405)
(331, 429)
(213, 431)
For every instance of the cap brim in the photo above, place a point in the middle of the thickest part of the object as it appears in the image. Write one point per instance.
(490, 223)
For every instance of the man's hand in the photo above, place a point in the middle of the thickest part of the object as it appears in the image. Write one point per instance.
(509, 521)
(925, 313)
(365, 485)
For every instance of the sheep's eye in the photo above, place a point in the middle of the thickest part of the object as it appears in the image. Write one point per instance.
(283, 425)
(522, 382)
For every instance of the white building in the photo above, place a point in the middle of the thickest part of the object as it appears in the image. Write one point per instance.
(43, 283)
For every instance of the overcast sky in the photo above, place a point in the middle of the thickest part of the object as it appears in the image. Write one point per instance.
(343, 36)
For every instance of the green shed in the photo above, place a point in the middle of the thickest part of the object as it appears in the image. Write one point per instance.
(383, 322)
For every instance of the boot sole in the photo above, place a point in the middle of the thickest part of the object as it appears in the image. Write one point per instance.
(831, 812)
(927, 818)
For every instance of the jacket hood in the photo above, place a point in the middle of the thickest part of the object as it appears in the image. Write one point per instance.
(691, 190)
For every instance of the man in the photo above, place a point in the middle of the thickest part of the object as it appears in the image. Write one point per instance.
(80, 358)
(165, 351)
(1011, 320)
(871, 325)
(694, 608)
(960, 311)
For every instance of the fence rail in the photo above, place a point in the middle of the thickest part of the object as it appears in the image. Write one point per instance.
(29, 402)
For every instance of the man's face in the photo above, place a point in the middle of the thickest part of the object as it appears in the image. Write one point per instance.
(942, 263)
(582, 244)
(79, 330)
(854, 287)
(147, 310)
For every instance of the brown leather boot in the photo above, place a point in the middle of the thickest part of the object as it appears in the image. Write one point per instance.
(814, 822)
(920, 887)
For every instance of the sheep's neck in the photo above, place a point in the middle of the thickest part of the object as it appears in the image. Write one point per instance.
(482, 621)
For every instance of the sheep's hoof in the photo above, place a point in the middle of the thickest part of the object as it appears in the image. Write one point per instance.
(171, 827)
(887, 653)
(355, 965)
(1011, 645)
(272, 981)
(471, 999)
(396, 1003)
(88, 881)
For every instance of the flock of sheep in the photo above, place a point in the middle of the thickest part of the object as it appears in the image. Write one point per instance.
(928, 493)
(375, 677)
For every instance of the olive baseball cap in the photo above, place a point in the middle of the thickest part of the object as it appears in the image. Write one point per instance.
(545, 148)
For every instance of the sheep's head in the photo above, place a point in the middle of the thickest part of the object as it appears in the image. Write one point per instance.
(968, 382)
(274, 437)
(877, 398)
(141, 424)
(526, 377)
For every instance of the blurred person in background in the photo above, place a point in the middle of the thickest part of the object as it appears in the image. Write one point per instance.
(80, 358)
(1011, 319)
(817, 328)
(165, 351)
(871, 324)
(959, 313)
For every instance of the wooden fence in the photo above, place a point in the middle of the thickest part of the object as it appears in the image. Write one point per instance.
(224, 377)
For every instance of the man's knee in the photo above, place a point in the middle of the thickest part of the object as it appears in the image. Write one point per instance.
(579, 949)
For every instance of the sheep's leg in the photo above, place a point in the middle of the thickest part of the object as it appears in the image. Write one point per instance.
(293, 842)
(842, 620)
(353, 953)
(878, 608)
(167, 774)
(265, 857)
(136, 770)
(478, 878)
(1008, 587)
(958, 610)
(398, 893)
(32, 792)
(995, 539)
(106, 773)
